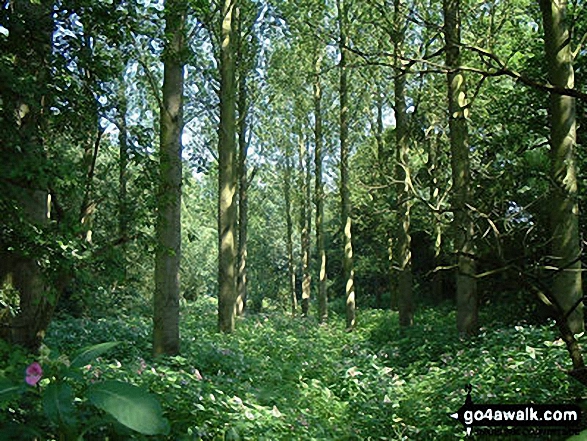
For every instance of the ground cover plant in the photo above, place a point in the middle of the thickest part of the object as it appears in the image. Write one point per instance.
(285, 219)
(278, 378)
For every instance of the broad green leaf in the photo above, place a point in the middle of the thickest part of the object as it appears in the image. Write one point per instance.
(92, 352)
(130, 405)
(8, 390)
(58, 404)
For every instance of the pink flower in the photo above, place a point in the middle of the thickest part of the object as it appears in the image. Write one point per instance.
(33, 373)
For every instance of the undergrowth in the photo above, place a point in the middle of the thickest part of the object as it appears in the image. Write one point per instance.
(283, 378)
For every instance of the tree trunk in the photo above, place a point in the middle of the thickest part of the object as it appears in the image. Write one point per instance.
(564, 209)
(123, 215)
(94, 138)
(30, 31)
(403, 255)
(304, 166)
(435, 200)
(168, 228)
(291, 269)
(348, 270)
(467, 304)
(226, 174)
(319, 196)
(242, 197)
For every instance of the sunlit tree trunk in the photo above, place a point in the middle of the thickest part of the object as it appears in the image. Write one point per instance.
(348, 270)
(319, 195)
(304, 166)
(168, 229)
(403, 254)
(564, 209)
(467, 303)
(291, 269)
(30, 32)
(227, 293)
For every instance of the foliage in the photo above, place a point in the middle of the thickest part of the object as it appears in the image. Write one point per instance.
(283, 378)
(60, 403)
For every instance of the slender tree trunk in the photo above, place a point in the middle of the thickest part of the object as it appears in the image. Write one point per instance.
(319, 195)
(467, 304)
(27, 107)
(304, 165)
(380, 178)
(123, 215)
(92, 144)
(168, 229)
(564, 208)
(291, 269)
(382, 168)
(88, 206)
(243, 197)
(227, 293)
(435, 199)
(348, 270)
(403, 255)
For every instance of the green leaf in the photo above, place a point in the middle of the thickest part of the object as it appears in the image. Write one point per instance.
(9, 390)
(58, 404)
(131, 406)
(92, 352)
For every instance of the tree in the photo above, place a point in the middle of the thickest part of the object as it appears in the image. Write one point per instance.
(403, 254)
(123, 160)
(458, 108)
(227, 294)
(348, 270)
(25, 99)
(247, 60)
(305, 216)
(168, 228)
(564, 210)
(291, 267)
(319, 192)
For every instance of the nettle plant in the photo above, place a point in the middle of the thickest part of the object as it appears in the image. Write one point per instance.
(58, 398)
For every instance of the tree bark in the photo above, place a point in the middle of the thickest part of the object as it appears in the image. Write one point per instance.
(466, 284)
(564, 208)
(304, 166)
(123, 215)
(348, 270)
(226, 174)
(243, 196)
(435, 199)
(319, 195)
(94, 138)
(166, 339)
(403, 255)
(291, 269)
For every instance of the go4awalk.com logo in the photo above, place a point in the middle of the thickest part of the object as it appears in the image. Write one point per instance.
(541, 417)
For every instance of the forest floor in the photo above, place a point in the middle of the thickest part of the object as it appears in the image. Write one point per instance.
(278, 378)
